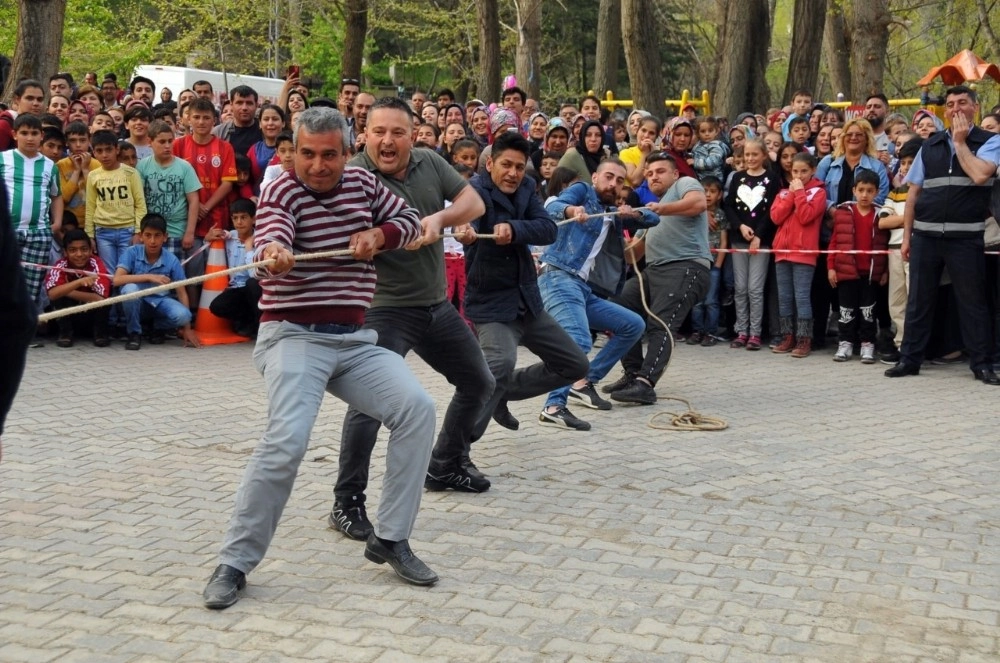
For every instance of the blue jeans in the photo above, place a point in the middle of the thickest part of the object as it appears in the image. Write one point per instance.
(167, 313)
(111, 244)
(705, 314)
(794, 289)
(569, 300)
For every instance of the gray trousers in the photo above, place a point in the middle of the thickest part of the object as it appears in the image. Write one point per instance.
(750, 275)
(298, 365)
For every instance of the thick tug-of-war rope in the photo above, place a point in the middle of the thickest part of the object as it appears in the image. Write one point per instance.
(690, 420)
(111, 301)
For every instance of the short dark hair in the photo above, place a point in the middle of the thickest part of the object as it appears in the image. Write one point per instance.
(284, 137)
(961, 89)
(798, 119)
(243, 206)
(104, 137)
(52, 133)
(910, 148)
(77, 128)
(141, 79)
(511, 140)
(877, 95)
(802, 92)
(344, 82)
(711, 181)
(661, 156)
(395, 103)
(23, 86)
(243, 163)
(865, 176)
(159, 127)
(806, 158)
(27, 120)
(464, 144)
(197, 83)
(243, 91)
(75, 235)
(162, 112)
(201, 104)
(61, 76)
(515, 90)
(138, 112)
(70, 222)
(446, 92)
(125, 146)
(704, 119)
(50, 120)
(153, 222)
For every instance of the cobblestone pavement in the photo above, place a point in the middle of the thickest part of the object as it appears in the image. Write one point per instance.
(843, 517)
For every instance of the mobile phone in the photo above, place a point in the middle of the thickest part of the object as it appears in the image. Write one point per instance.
(294, 71)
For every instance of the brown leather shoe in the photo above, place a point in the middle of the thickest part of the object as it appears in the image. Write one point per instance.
(786, 345)
(803, 348)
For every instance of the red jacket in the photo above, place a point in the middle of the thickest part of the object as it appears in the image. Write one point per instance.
(799, 216)
(843, 240)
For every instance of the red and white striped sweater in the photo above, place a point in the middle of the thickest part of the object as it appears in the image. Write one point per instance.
(335, 290)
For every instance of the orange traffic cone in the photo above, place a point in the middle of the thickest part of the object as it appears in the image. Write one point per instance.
(211, 329)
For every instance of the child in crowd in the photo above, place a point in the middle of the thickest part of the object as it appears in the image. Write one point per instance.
(238, 302)
(33, 199)
(53, 144)
(802, 105)
(137, 121)
(144, 266)
(284, 153)
(127, 154)
(750, 196)
(772, 142)
(453, 133)
(549, 163)
(857, 276)
(73, 169)
(102, 121)
(171, 188)
(67, 289)
(798, 214)
(891, 219)
(705, 314)
(798, 131)
(244, 180)
(427, 136)
(710, 153)
(214, 162)
(786, 153)
(466, 152)
(561, 178)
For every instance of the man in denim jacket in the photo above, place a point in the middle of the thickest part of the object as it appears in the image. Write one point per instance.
(584, 267)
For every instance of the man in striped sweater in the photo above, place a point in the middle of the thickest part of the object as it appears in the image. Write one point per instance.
(311, 341)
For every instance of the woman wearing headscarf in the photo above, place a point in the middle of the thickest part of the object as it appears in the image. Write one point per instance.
(479, 125)
(584, 157)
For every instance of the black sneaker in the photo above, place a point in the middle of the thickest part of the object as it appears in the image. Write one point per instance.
(134, 342)
(157, 337)
(890, 358)
(454, 477)
(351, 520)
(627, 378)
(637, 392)
(470, 467)
(562, 418)
(587, 397)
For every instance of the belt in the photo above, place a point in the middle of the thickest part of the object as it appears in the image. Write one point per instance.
(549, 268)
(331, 328)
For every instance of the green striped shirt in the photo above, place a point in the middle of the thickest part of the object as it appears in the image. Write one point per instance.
(31, 184)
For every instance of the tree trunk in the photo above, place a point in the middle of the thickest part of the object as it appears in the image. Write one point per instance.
(837, 46)
(807, 47)
(642, 55)
(488, 85)
(984, 18)
(742, 85)
(39, 42)
(529, 42)
(295, 26)
(868, 25)
(609, 46)
(355, 31)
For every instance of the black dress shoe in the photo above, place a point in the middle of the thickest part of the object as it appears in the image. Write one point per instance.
(986, 376)
(221, 590)
(902, 369)
(638, 392)
(502, 416)
(406, 565)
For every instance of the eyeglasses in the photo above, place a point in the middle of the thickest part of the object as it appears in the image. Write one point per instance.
(851, 134)
(350, 81)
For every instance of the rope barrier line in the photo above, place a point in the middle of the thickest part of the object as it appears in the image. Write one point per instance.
(691, 420)
(166, 287)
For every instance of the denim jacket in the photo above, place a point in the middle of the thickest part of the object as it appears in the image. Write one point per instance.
(830, 170)
(576, 240)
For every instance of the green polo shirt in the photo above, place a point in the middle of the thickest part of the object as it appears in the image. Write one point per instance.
(415, 278)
